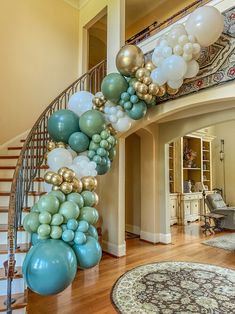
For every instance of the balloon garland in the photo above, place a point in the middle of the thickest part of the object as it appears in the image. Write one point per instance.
(62, 222)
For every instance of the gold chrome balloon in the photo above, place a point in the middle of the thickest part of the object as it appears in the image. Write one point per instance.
(96, 198)
(51, 145)
(62, 170)
(68, 175)
(147, 80)
(60, 145)
(162, 91)
(149, 66)
(111, 129)
(56, 179)
(140, 74)
(66, 187)
(129, 59)
(136, 85)
(143, 89)
(48, 175)
(141, 96)
(77, 185)
(55, 188)
(89, 183)
(172, 91)
(153, 89)
(148, 98)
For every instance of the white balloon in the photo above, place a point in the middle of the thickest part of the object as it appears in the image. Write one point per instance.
(93, 173)
(183, 39)
(113, 118)
(59, 157)
(188, 48)
(206, 24)
(166, 51)
(120, 114)
(174, 67)
(187, 56)
(113, 110)
(158, 76)
(123, 124)
(163, 43)
(178, 50)
(84, 153)
(174, 34)
(196, 48)
(92, 165)
(80, 102)
(175, 84)
(158, 51)
(99, 94)
(192, 69)
(72, 152)
(79, 159)
(192, 39)
(157, 61)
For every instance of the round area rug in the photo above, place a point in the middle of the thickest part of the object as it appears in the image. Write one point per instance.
(175, 288)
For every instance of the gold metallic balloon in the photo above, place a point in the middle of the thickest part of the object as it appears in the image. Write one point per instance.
(162, 91)
(153, 89)
(149, 66)
(55, 188)
(148, 98)
(143, 89)
(56, 179)
(62, 170)
(89, 183)
(103, 99)
(46, 156)
(129, 59)
(111, 129)
(140, 74)
(66, 187)
(172, 91)
(96, 198)
(147, 80)
(136, 85)
(48, 175)
(60, 145)
(96, 101)
(77, 185)
(141, 96)
(51, 145)
(68, 175)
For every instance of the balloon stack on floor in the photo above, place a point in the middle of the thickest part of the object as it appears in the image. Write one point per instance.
(82, 146)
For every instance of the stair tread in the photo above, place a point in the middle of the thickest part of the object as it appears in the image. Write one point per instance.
(13, 167)
(5, 209)
(32, 193)
(20, 147)
(4, 228)
(23, 248)
(18, 273)
(14, 156)
(21, 301)
(39, 179)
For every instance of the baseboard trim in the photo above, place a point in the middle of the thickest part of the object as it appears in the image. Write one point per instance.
(155, 237)
(114, 249)
(133, 229)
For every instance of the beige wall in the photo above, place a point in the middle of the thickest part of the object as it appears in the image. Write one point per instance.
(133, 184)
(39, 58)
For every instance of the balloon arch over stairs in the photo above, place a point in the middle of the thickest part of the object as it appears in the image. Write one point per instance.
(82, 146)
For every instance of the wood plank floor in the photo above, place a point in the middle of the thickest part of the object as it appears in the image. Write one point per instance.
(90, 291)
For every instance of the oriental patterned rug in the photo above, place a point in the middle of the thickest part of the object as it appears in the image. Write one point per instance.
(175, 288)
(226, 242)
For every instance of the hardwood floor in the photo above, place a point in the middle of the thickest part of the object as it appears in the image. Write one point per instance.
(90, 291)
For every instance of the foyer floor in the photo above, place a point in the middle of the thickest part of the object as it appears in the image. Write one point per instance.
(90, 291)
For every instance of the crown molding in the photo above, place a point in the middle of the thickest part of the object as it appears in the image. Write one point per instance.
(77, 4)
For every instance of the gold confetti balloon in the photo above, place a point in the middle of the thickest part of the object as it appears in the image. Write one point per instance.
(149, 66)
(66, 187)
(129, 59)
(77, 185)
(48, 175)
(51, 145)
(140, 74)
(56, 179)
(89, 183)
(153, 89)
(147, 80)
(68, 175)
(62, 170)
(143, 89)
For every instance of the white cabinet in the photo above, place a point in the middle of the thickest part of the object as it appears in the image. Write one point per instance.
(173, 207)
(190, 207)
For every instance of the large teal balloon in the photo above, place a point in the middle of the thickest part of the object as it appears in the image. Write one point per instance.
(102, 169)
(113, 85)
(88, 254)
(79, 142)
(31, 222)
(92, 122)
(62, 124)
(49, 267)
(138, 110)
(48, 202)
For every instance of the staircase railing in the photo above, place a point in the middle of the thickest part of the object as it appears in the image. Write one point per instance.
(29, 164)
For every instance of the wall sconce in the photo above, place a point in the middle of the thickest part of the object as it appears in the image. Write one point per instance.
(221, 153)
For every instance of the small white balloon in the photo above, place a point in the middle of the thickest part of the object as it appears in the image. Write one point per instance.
(120, 114)
(187, 56)
(166, 52)
(113, 118)
(158, 51)
(79, 159)
(188, 48)
(113, 110)
(158, 76)
(192, 39)
(163, 43)
(157, 61)
(192, 69)
(183, 39)
(175, 84)
(174, 67)
(178, 50)
(72, 152)
(123, 124)
(80, 102)
(174, 34)
(99, 94)
(92, 165)
(85, 153)
(196, 48)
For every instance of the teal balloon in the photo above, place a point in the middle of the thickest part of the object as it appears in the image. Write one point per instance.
(138, 110)
(79, 237)
(93, 146)
(31, 222)
(76, 198)
(49, 267)
(72, 224)
(113, 85)
(91, 154)
(101, 152)
(83, 226)
(43, 231)
(62, 124)
(60, 195)
(90, 214)
(112, 153)
(97, 159)
(68, 235)
(96, 138)
(89, 198)
(63, 227)
(79, 142)
(49, 203)
(104, 144)
(44, 217)
(57, 219)
(103, 169)
(56, 232)
(92, 122)
(88, 254)
(104, 134)
(69, 210)
(35, 238)
(92, 231)
(35, 208)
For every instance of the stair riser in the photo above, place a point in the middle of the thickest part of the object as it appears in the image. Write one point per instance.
(4, 217)
(22, 237)
(6, 186)
(6, 173)
(8, 162)
(4, 200)
(19, 257)
(18, 286)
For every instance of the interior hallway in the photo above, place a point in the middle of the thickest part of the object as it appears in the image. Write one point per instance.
(90, 291)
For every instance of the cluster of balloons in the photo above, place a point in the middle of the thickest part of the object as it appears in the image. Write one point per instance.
(118, 118)
(62, 233)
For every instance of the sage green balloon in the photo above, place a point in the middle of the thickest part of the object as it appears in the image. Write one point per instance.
(138, 110)
(89, 198)
(45, 217)
(49, 202)
(57, 219)
(31, 222)
(35, 208)
(79, 142)
(92, 122)
(44, 230)
(69, 210)
(90, 214)
(56, 232)
(93, 146)
(60, 195)
(76, 198)
(113, 85)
